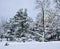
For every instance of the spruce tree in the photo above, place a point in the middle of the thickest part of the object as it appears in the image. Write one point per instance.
(19, 25)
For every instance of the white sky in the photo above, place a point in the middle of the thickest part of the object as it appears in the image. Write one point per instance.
(8, 8)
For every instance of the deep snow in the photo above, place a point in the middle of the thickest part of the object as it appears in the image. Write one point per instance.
(30, 45)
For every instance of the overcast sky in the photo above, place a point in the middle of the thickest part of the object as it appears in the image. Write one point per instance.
(8, 8)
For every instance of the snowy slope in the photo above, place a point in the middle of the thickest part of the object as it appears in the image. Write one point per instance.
(30, 45)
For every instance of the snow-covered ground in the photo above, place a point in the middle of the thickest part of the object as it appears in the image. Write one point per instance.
(30, 45)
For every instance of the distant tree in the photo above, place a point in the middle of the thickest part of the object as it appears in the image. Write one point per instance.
(42, 5)
(2, 25)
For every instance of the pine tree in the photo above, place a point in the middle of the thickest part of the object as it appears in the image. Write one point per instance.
(19, 26)
(57, 7)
